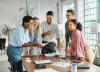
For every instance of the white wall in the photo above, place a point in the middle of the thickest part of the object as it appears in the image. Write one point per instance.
(10, 14)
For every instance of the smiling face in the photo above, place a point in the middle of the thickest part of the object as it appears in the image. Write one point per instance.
(49, 19)
(71, 26)
(35, 24)
(69, 16)
(28, 24)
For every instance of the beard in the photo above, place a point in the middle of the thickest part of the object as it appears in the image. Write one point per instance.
(49, 22)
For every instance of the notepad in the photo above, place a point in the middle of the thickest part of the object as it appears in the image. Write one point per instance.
(43, 61)
(46, 70)
(83, 66)
(52, 54)
(61, 64)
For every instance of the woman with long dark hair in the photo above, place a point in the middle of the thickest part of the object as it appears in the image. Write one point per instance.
(78, 41)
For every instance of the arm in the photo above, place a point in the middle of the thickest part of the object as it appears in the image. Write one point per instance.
(30, 32)
(67, 35)
(30, 44)
(42, 30)
(58, 43)
(57, 37)
(46, 33)
(24, 41)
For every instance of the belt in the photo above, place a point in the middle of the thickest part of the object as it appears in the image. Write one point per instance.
(15, 46)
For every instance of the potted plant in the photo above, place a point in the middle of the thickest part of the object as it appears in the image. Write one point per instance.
(6, 31)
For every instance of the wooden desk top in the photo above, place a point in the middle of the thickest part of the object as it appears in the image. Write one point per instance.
(30, 66)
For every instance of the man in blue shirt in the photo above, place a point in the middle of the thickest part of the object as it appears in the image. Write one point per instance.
(19, 39)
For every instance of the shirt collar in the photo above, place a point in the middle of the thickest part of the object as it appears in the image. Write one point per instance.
(23, 28)
(51, 23)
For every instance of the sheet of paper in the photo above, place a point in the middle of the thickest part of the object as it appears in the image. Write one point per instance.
(51, 54)
(61, 64)
(46, 70)
(42, 61)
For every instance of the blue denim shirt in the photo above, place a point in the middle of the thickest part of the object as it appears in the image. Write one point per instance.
(19, 36)
(36, 37)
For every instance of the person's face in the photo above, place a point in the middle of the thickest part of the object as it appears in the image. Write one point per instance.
(49, 19)
(69, 16)
(28, 24)
(71, 26)
(36, 23)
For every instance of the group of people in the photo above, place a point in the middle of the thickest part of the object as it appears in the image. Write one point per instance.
(31, 33)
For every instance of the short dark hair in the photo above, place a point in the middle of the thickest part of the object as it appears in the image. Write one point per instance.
(50, 13)
(35, 18)
(71, 11)
(27, 19)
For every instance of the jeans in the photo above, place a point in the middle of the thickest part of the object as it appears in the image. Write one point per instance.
(14, 54)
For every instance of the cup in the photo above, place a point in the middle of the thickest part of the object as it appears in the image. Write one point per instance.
(74, 67)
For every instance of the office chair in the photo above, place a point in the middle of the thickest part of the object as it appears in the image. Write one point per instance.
(2, 44)
(97, 56)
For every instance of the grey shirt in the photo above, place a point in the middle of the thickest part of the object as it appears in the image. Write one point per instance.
(53, 28)
(67, 34)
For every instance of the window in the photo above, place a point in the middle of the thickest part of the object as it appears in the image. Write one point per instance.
(65, 8)
(87, 16)
(62, 26)
(81, 11)
(89, 19)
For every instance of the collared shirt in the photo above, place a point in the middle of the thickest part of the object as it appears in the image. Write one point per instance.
(78, 44)
(19, 36)
(53, 28)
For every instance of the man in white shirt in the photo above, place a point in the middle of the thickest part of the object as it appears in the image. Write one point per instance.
(18, 40)
(50, 31)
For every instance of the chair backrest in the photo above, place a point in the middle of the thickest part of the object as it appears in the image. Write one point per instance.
(97, 56)
(2, 42)
(98, 50)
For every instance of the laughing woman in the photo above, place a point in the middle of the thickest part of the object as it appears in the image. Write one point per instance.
(35, 36)
(79, 46)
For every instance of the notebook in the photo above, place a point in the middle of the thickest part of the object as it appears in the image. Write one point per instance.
(43, 61)
(61, 64)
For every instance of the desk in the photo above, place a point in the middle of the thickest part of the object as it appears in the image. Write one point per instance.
(30, 66)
